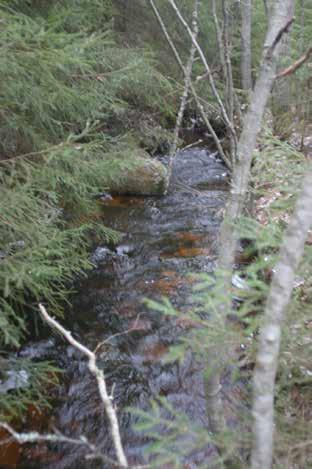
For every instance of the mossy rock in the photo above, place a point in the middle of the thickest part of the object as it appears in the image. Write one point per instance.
(142, 176)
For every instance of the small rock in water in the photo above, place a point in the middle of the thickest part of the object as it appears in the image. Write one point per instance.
(38, 350)
(17, 245)
(124, 249)
(100, 254)
(105, 196)
(15, 380)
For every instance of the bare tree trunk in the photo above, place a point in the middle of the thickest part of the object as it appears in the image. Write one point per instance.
(223, 60)
(302, 24)
(219, 38)
(194, 93)
(246, 12)
(241, 173)
(252, 125)
(208, 71)
(187, 84)
(266, 8)
(282, 92)
(229, 76)
(269, 343)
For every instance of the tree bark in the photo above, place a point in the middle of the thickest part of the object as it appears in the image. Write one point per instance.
(229, 76)
(187, 84)
(269, 342)
(279, 25)
(246, 12)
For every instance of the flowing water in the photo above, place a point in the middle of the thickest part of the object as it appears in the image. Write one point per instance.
(165, 239)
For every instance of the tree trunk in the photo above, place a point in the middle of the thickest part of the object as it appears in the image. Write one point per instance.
(269, 342)
(246, 12)
(241, 174)
(282, 91)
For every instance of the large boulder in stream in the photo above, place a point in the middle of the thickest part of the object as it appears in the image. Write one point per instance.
(142, 176)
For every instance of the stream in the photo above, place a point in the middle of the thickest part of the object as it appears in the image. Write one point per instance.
(166, 238)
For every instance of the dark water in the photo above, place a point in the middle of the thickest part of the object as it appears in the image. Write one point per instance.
(166, 238)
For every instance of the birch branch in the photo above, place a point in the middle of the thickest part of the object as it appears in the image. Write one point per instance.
(269, 342)
(187, 83)
(194, 93)
(99, 375)
(205, 63)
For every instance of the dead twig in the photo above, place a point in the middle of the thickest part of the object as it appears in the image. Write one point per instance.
(99, 375)
(35, 437)
(294, 67)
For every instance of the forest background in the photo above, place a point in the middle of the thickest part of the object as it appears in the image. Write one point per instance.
(86, 86)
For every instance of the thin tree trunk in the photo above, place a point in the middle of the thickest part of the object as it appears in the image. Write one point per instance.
(194, 93)
(266, 8)
(246, 12)
(222, 59)
(219, 38)
(207, 68)
(229, 75)
(187, 84)
(269, 342)
(241, 173)
(282, 92)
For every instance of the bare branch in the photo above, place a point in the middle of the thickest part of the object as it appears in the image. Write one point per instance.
(194, 93)
(34, 437)
(229, 77)
(283, 30)
(223, 60)
(294, 67)
(99, 375)
(269, 342)
(205, 63)
(118, 334)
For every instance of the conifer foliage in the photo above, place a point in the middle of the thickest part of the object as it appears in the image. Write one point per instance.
(64, 80)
